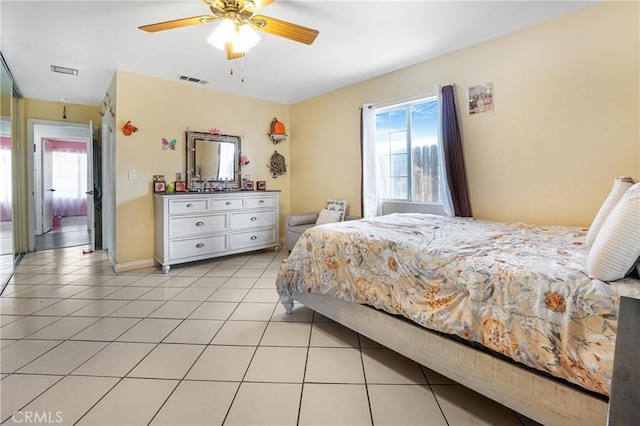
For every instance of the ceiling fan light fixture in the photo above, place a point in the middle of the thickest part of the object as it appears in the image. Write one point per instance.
(245, 39)
(225, 32)
(242, 37)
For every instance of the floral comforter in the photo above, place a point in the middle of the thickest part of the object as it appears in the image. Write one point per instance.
(520, 290)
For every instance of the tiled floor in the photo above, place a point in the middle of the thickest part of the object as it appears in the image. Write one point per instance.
(206, 344)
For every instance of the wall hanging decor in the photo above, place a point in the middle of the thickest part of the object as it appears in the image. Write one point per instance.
(129, 128)
(277, 133)
(277, 165)
(244, 160)
(214, 131)
(169, 145)
(481, 98)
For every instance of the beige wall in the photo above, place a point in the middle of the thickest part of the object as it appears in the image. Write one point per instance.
(45, 110)
(164, 109)
(565, 120)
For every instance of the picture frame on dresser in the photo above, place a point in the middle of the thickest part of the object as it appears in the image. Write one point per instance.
(159, 186)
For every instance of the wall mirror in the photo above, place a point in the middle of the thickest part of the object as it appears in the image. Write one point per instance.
(6, 209)
(212, 159)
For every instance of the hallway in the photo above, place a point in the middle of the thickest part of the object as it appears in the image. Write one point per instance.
(71, 232)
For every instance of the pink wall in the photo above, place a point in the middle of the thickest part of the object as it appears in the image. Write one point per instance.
(5, 142)
(62, 145)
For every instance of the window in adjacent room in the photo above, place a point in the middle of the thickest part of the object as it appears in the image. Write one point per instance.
(407, 151)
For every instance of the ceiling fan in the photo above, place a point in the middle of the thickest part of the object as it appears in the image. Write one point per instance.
(238, 15)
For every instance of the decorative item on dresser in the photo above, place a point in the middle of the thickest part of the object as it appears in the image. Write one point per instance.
(190, 226)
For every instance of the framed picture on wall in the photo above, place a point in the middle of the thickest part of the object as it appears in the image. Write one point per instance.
(159, 186)
(481, 98)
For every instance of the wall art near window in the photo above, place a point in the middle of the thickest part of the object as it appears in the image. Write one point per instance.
(481, 98)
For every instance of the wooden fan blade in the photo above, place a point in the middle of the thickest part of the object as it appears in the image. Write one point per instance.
(284, 29)
(230, 52)
(261, 4)
(169, 25)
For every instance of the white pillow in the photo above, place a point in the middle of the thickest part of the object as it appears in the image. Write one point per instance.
(616, 248)
(328, 216)
(620, 186)
(339, 206)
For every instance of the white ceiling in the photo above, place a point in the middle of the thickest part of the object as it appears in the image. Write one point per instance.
(358, 40)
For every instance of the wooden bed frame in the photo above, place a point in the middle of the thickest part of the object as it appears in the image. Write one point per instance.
(536, 396)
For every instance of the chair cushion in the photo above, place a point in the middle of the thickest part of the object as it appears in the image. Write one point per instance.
(328, 216)
(301, 219)
(339, 206)
(299, 229)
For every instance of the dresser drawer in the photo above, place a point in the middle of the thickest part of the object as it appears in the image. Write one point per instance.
(184, 226)
(221, 204)
(243, 220)
(193, 205)
(198, 246)
(256, 238)
(266, 201)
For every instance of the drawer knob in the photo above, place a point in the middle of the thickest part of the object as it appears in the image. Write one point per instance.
(253, 219)
(228, 203)
(199, 245)
(254, 237)
(189, 205)
(199, 223)
(261, 201)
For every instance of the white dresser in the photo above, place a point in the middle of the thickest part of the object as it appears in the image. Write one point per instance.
(196, 226)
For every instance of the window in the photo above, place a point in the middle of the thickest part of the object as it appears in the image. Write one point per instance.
(407, 152)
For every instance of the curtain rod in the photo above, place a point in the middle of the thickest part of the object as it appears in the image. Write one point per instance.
(408, 98)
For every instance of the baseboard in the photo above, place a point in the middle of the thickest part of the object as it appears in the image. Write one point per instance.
(130, 266)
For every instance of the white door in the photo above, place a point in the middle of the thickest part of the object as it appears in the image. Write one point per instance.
(90, 206)
(47, 186)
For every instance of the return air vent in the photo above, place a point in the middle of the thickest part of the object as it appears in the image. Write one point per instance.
(192, 79)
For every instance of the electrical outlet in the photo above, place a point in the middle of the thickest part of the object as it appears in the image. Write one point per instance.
(133, 174)
(179, 176)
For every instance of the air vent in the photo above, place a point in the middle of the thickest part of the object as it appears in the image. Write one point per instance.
(192, 79)
(64, 70)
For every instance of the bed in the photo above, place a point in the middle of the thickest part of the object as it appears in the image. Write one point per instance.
(505, 309)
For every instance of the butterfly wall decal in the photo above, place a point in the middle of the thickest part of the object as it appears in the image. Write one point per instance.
(169, 145)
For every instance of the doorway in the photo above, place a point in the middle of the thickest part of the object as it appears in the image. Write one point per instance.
(62, 207)
(64, 190)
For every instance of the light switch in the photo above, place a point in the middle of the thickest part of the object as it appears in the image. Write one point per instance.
(133, 174)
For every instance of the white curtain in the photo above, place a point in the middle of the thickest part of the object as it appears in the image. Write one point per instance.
(445, 192)
(371, 182)
(5, 183)
(70, 182)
